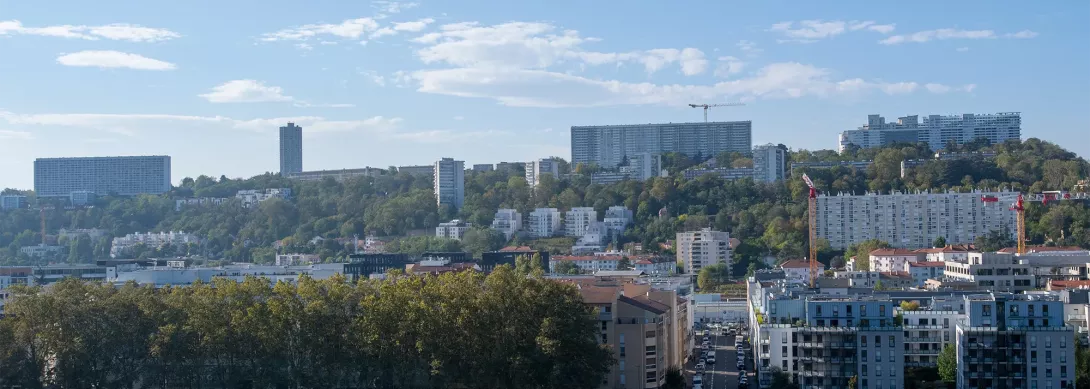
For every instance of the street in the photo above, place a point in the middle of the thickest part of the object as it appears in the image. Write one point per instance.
(724, 373)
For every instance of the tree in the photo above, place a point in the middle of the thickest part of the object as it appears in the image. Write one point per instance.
(624, 264)
(853, 382)
(1082, 365)
(878, 285)
(567, 267)
(782, 380)
(711, 277)
(948, 364)
(910, 305)
(478, 240)
(529, 264)
(861, 252)
(674, 379)
(995, 240)
(940, 242)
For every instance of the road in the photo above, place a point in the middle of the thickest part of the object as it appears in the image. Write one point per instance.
(724, 373)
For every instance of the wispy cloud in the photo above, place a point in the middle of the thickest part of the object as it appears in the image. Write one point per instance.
(953, 33)
(113, 60)
(809, 31)
(245, 91)
(348, 29)
(15, 135)
(121, 32)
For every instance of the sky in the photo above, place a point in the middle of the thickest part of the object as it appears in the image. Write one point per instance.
(387, 83)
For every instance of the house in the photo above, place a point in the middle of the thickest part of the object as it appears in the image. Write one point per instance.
(890, 260)
(798, 270)
(923, 271)
(943, 254)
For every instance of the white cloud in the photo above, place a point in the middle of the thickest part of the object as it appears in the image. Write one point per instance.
(540, 88)
(962, 49)
(112, 60)
(937, 88)
(809, 31)
(392, 7)
(382, 32)
(348, 29)
(748, 47)
(729, 66)
(131, 124)
(459, 118)
(245, 91)
(15, 135)
(416, 26)
(871, 25)
(953, 33)
(117, 31)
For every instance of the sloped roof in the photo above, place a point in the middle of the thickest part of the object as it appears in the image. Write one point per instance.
(927, 264)
(892, 252)
(517, 249)
(798, 264)
(645, 303)
(598, 294)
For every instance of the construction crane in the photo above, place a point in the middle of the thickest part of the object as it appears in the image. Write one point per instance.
(706, 106)
(41, 213)
(813, 229)
(1019, 207)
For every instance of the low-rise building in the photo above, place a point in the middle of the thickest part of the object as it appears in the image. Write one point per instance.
(991, 271)
(151, 240)
(250, 198)
(923, 271)
(655, 265)
(454, 229)
(617, 218)
(586, 263)
(12, 202)
(798, 271)
(594, 239)
(180, 204)
(859, 278)
(41, 250)
(297, 259)
(889, 260)
(943, 254)
(339, 175)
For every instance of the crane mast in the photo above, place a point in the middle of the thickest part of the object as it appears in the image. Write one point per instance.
(813, 229)
(707, 106)
(1019, 207)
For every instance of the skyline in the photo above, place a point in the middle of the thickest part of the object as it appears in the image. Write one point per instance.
(384, 83)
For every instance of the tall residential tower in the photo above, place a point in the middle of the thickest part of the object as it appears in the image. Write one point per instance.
(291, 149)
(450, 182)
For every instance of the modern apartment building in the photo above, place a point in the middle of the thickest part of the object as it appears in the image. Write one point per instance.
(769, 163)
(577, 220)
(607, 146)
(507, 221)
(992, 271)
(698, 249)
(454, 229)
(12, 201)
(252, 197)
(151, 240)
(124, 176)
(535, 169)
(450, 182)
(1014, 341)
(913, 220)
(483, 167)
(291, 149)
(936, 130)
(890, 260)
(544, 223)
(617, 218)
(339, 175)
(927, 331)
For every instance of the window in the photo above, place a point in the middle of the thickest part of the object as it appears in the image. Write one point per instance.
(877, 341)
(1063, 342)
(650, 350)
(864, 354)
(1033, 356)
(1033, 372)
(892, 341)
(987, 310)
(864, 370)
(783, 351)
(621, 365)
(1063, 371)
(882, 311)
(946, 323)
(783, 338)
(1048, 356)
(878, 355)
(863, 340)
(878, 371)
(1048, 372)
(1033, 341)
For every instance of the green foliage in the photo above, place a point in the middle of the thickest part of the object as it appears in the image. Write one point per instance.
(478, 240)
(940, 242)
(711, 277)
(948, 364)
(529, 265)
(853, 382)
(567, 267)
(995, 240)
(782, 380)
(624, 264)
(1082, 365)
(415, 245)
(910, 305)
(674, 379)
(403, 332)
(861, 252)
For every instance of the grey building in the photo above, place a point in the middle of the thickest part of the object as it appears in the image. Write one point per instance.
(483, 167)
(450, 182)
(12, 201)
(125, 176)
(417, 170)
(291, 149)
(608, 146)
(935, 130)
(769, 163)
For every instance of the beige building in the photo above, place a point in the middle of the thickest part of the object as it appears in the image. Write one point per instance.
(699, 249)
(992, 271)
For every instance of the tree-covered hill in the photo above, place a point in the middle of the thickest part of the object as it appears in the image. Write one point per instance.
(768, 218)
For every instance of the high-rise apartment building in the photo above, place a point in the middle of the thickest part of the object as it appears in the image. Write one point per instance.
(913, 220)
(454, 229)
(936, 130)
(291, 149)
(535, 169)
(607, 146)
(450, 182)
(507, 221)
(544, 223)
(124, 176)
(577, 220)
(699, 249)
(769, 163)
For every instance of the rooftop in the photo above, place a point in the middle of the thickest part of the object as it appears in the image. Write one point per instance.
(645, 303)
(598, 294)
(799, 264)
(893, 252)
(518, 249)
(927, 264)
(1044, 249)
(1062, 284)
(947, 249)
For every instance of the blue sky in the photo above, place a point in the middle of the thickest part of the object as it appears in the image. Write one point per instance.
(386, 83)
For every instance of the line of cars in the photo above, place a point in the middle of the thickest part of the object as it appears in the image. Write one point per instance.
(707, 357)
(740, 345)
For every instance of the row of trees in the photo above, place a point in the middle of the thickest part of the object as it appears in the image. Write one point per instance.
(770, 219)
(461, 330)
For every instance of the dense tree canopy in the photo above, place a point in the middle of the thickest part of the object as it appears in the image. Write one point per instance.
(769, 219)
(460, 330)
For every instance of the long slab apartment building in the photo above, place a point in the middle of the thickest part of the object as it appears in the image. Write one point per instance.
(935, 130)
(124, 176)
(913, 220)
(608, 146)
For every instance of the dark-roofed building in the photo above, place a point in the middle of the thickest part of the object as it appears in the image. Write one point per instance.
(364, 265)
(507, 256)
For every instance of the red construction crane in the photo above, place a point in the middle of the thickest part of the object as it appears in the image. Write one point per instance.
(706, 106)
(813, 229)
(1019, 207)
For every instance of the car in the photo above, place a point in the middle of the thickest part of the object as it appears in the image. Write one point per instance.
(698, 379)
(698, 386)
(700, 366)
(706, 338)
(711, 360)
(704, 344)
(711, 353)
(741, 367)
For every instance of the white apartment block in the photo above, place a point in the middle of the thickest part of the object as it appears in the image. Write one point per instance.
(943, 254)
(544, 223)
(858, 278)
(992, 271)
(41, 250)
(923, 271)
(535, 169)
(655, 266)
(454, 229)
(618, 217)
(593, 239)
(12, 201)
(450, 182)
(577, 220)
(936, 130)
(151, 240)
(586, 263)
(913, 220)
(892, 260)
(507, 221)
(927, 332)
(699, 249)
(297, 259)
(607, 146)
(769, 163)
(250, 198)
(125, 176)
(798, 271)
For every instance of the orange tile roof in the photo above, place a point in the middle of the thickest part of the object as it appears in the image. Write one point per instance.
(892, 252)
(927, 264)
(1054, 285)
(798, 264)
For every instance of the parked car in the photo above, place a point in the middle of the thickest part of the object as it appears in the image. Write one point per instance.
(711, 359)
(698, 379)
(700, 366)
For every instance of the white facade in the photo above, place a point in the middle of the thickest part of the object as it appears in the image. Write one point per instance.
(936, 130)
(450, 182)
(891, 260)
(858, 278)
(769, 163)
(577, 220)
(593, 239)
(291, 149)
(12, 201)
(297, 259)
(454, 229)
(507, 221)
(618, 217)
(798, 271)
(928, 331)
(912, 220)
(607, 146)
(41, 250)
(535, 169)
(125, 176)
(649, 266)
(992, 271)
(588, 263)
(544, 223)
(151, 240)
(250, 198)
(699, 249)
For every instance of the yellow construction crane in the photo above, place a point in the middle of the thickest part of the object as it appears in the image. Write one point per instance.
(1019, 207)
(813, 229)
(706, 106)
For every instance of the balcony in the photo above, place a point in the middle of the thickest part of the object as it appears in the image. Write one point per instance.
(928, 339)
(922, 352)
